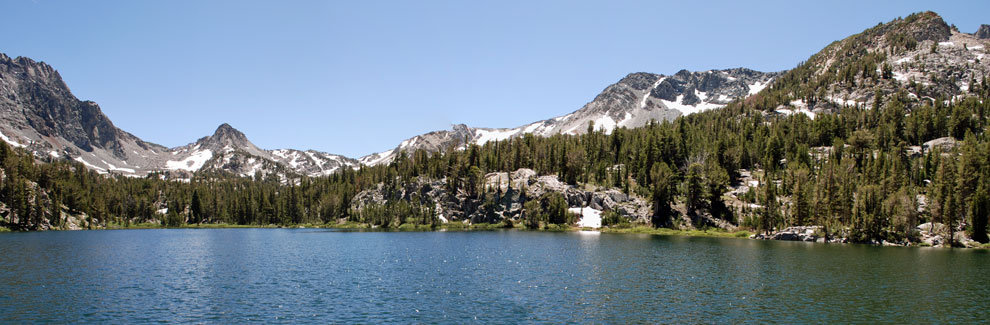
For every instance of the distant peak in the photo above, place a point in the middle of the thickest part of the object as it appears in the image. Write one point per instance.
(226, 134)
(225, 128)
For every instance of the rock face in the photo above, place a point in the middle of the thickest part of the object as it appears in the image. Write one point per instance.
(936, 235)
(513, 189)
(983, 32)
(920, 49)
(632, 102)
(41, 114)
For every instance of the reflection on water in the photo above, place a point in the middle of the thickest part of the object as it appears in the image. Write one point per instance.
(292, 275)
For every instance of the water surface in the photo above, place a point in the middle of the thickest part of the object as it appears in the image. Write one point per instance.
(305, 275)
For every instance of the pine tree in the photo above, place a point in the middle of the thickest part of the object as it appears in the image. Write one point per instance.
(979, 211)
(694, 187)
(771, 210)
(662, 195)
(196, 208)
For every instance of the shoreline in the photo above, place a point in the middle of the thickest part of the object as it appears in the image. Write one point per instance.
(642, 230)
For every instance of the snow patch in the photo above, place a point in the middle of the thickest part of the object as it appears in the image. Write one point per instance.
(11, 142)
(484, 136)
(756, 87)
(193, 163)
(689, 109)
(116, 169)
(378, 158)
(840, 101)
(605, 123)
(409, 142)
(530, 128)
(799, 107)
(84, 162)
(590, 218)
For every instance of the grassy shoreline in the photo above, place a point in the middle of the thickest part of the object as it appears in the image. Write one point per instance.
(457, 226)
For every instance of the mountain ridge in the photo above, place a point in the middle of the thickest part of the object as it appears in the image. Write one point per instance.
(633, 101)
(41, 113)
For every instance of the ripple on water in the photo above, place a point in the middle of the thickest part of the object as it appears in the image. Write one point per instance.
(285, 275)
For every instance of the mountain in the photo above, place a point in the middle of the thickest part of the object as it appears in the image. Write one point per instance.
(41, 114)
(228, 150)
(919, 56)
(632, 102)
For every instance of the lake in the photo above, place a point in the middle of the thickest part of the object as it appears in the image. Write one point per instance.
(316, 275)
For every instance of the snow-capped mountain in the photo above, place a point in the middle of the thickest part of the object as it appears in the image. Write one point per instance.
(228, 150)
(632, 102)
(41, 114)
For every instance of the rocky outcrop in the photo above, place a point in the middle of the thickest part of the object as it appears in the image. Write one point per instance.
(983, 32)
(511, 191)
(920, 49)
(936, 235)
(800, 233)
(941, 144)
(925, 234)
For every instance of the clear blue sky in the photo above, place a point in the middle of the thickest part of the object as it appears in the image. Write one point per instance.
(356, 77)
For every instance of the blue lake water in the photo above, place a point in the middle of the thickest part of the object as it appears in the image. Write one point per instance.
(307, 275)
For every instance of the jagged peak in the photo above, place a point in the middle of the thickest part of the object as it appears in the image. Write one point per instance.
(226, 135)
(38, 71)
(226, 128)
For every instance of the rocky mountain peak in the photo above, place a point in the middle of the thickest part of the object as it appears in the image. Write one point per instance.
(983, 32)
(924, 26)
(919, 55)
(226, 136)
(37, 105)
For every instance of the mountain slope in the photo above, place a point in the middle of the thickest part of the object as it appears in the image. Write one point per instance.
(40, 113)
(632, 102)
(919, 55)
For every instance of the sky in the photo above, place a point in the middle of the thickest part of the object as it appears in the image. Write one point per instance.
(357, 77)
